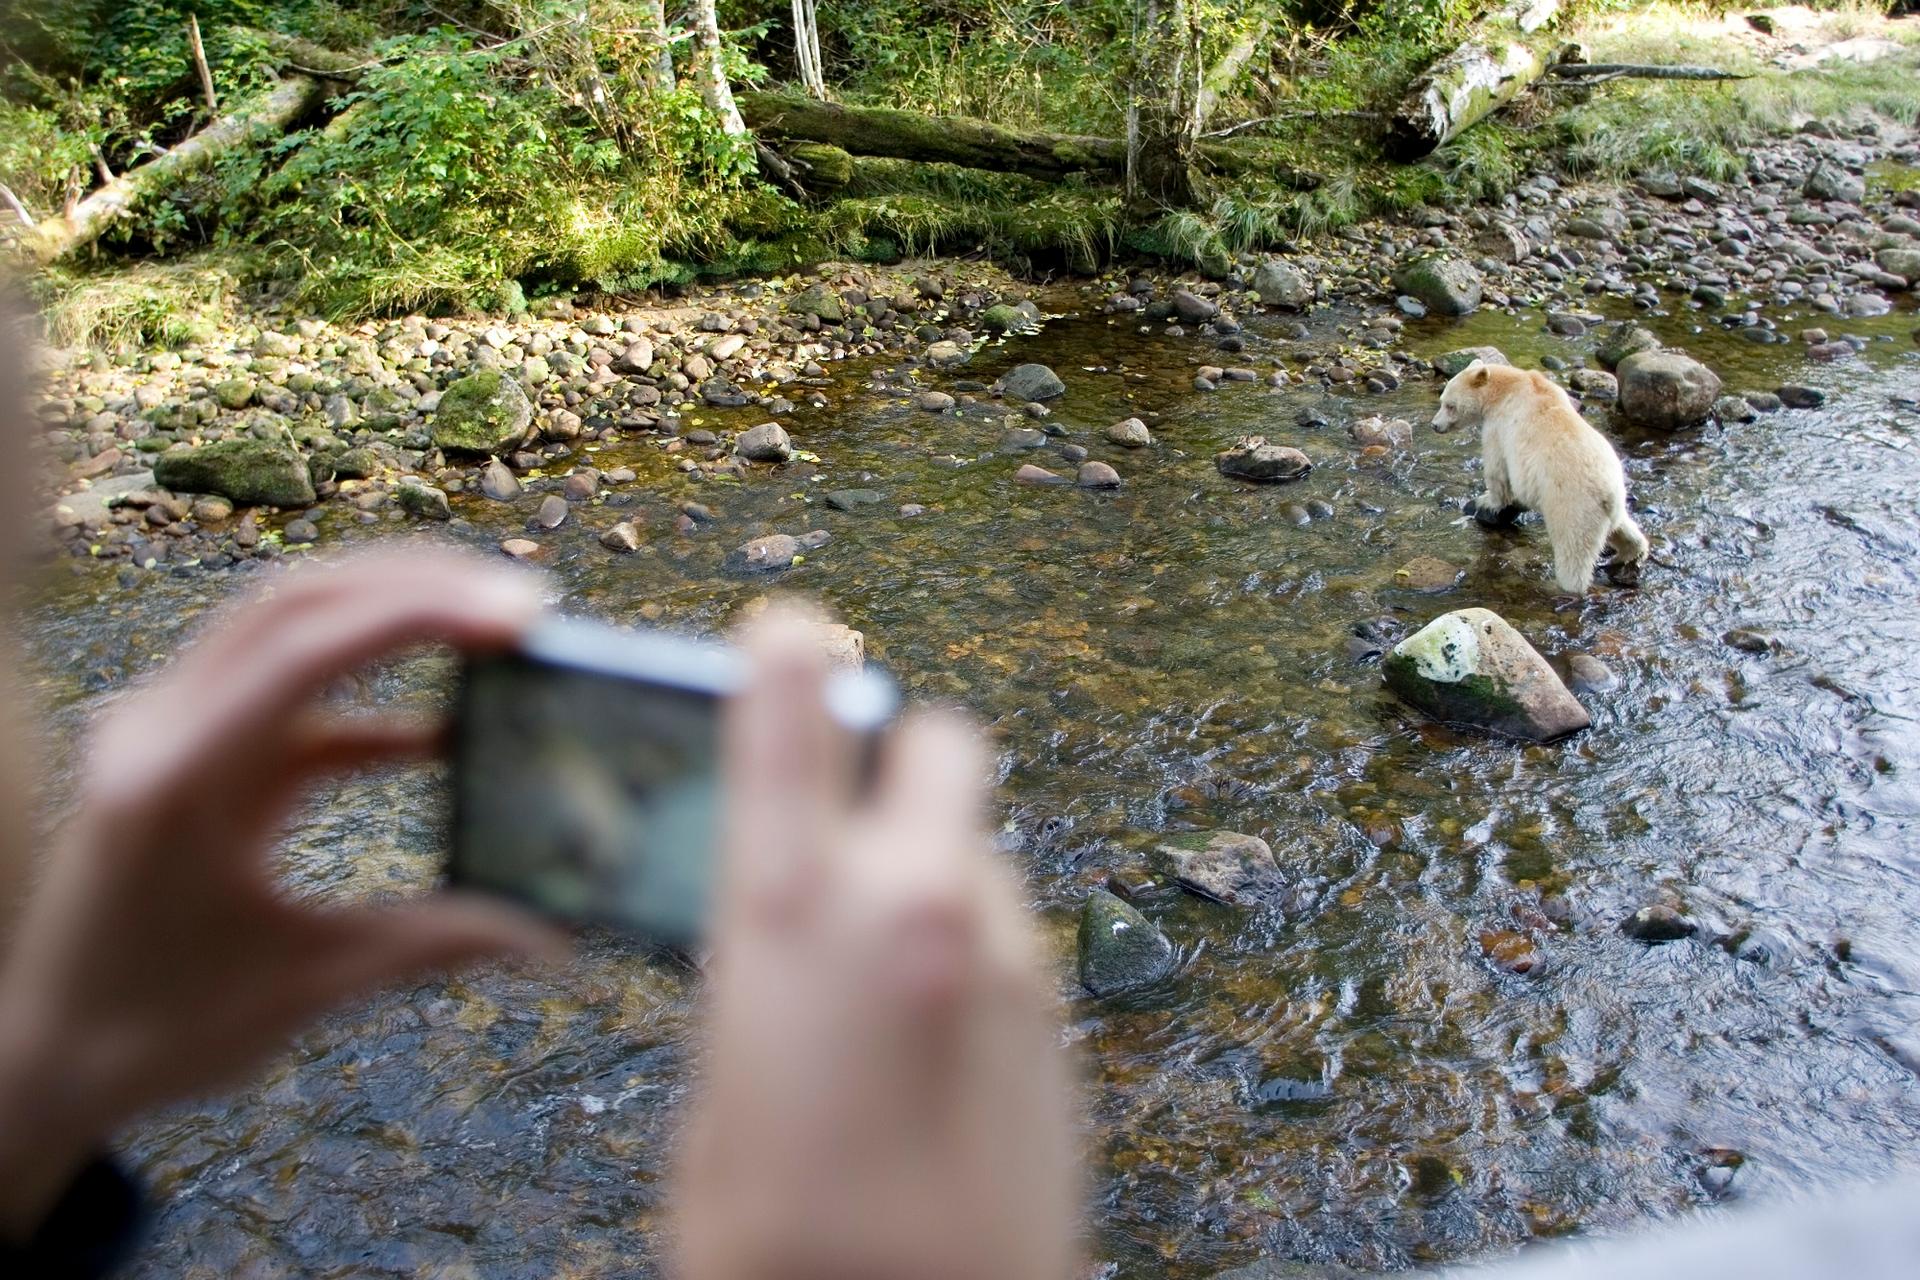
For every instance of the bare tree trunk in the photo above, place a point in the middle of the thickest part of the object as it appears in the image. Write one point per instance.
(1160, 169)
(660, 74)
(806, 48)
(714, 89)
(274, 112)
(1219, 80)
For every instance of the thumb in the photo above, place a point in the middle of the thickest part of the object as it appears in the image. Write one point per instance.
(371, 947)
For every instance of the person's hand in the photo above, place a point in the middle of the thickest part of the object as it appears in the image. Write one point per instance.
(885, 1093)
(158, 957)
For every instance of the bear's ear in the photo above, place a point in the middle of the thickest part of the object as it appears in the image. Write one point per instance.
(1479, 377)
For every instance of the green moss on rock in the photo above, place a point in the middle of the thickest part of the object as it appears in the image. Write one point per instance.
(250, 471)
(484, 412)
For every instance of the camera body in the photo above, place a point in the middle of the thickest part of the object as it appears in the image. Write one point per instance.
(586, 772)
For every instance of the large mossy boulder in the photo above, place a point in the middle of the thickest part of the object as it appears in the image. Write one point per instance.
(1447, 285)
(484, 412)
(1471, 668)
(820, 302)
(1120, 949)
(251, 471)
(1666, 390)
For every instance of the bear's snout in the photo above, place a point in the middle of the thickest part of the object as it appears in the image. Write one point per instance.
(1443, 421)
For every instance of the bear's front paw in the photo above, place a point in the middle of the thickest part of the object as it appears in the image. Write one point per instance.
(1481, 508)
(1625, 574)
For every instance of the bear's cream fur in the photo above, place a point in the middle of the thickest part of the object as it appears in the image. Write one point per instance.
(1541, 454)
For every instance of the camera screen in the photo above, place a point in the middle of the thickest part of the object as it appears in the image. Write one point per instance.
(587, 796)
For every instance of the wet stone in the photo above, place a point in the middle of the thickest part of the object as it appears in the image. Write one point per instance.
(1130, 433)
(1032, 382)
(1253, 458)
(1657, 923)
(1097, 475)
(1428, 574)
(767, 442)
(622, 537)
(854, 499)
(1030, 474)
(1119, 949)
(1471, 667)
(424, 502)
(552, 513)
(1239, 870)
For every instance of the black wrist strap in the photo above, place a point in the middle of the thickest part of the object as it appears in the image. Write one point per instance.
(91, 1231)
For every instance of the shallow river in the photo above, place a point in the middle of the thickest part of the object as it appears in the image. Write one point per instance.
(1349, 1080)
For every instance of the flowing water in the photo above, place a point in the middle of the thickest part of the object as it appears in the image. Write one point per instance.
(1348, 1079)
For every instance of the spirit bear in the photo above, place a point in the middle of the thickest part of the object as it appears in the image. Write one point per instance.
(1540, 454)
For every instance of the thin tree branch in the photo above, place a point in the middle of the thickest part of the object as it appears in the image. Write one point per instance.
(200, 64)
(19, 210)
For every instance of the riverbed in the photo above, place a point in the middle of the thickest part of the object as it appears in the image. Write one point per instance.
(1350, 1077)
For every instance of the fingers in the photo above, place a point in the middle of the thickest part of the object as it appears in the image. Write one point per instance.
(231, 699)
(324, 743)
(362, 949)
(788, 770)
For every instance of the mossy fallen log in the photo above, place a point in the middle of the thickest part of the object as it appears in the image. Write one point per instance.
(1476, 79)
(981, 144)
(270, 114)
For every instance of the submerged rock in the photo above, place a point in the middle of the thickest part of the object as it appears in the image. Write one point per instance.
(1252, 458)
(1388, 433)
(1032, 382)
(1666, 390)
(1448, 285)
(1454, 361)
(257, 471)
(1226, 866)
(775, 551)
(1120, 949)
(1471, 667)
(484, 412)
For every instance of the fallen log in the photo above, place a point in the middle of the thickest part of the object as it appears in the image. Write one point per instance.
(979, 144)
(273, 112)
(1477, 78)
(1638, 71)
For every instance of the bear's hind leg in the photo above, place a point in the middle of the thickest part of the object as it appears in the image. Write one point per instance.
(1576, 549)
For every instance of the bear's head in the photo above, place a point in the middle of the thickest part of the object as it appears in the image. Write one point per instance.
(1462, 403)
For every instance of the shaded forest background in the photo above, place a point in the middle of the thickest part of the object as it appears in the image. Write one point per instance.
(475, 154)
